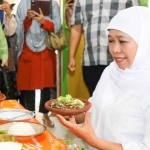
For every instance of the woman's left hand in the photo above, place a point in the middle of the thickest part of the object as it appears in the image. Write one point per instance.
(39, 16)
(80, 130)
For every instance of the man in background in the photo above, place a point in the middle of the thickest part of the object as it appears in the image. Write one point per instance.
(91, 17)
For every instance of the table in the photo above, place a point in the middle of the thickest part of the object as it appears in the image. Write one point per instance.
(44, 139)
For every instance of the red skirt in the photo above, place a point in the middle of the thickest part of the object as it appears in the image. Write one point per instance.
(36, 70)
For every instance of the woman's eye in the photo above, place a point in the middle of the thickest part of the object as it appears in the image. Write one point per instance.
(122, 41)
(110, 41)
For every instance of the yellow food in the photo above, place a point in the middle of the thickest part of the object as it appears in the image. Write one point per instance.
(4, 137)
(7, 138)
(3, 132)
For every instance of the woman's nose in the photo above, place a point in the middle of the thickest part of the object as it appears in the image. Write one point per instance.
(116, 48)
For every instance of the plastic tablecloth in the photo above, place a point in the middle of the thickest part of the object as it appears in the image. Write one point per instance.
(44, 139)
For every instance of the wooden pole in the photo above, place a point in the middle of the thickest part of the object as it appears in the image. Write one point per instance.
(58, 73)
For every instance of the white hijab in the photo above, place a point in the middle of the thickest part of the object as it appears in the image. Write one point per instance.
(134, 21)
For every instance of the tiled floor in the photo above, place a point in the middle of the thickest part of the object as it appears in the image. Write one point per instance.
(59, 130)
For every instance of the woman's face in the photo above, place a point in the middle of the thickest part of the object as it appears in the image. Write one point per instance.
(122, 48)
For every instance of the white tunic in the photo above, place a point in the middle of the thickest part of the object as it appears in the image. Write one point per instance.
(119, 116)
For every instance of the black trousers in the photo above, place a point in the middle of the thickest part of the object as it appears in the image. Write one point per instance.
(91, 76)
(27, 99)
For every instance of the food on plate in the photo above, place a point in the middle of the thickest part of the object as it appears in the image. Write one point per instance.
(3, 131)
(62, 144)
(67, 103)
(5, 137)
(21, 128)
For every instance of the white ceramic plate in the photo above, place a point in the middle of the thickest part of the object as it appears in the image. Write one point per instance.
(10, 145)
(22, 130)
(15, 114)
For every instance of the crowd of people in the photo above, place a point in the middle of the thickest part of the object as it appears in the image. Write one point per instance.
(36, 64)
(115, 66)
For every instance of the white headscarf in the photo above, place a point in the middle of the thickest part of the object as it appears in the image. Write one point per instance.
(134, 21)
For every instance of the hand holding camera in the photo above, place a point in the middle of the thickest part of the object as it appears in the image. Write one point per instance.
(30, 14)
(39, 16)
(4, 5)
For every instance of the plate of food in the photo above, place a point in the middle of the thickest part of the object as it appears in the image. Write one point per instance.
(9, 115)
(2, 97)
(68, 106)
(22, 130)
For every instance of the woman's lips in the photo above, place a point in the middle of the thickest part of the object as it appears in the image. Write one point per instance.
(119, 59)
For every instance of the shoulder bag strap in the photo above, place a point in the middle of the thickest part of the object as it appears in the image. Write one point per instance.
(51, 12)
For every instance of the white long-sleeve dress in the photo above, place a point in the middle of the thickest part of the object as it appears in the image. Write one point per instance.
(119, 116)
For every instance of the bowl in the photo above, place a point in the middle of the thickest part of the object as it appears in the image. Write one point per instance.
(23, 130)
(11, 115)
(2, 97)
(66, 112)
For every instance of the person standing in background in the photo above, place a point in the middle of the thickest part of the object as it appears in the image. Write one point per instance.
(1, 16)
(9, 27)
(3, 45)
(36, 63)
(69, 4)
(3, 48)
(91, 18)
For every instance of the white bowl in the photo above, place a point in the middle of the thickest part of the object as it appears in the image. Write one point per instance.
(11, 115)
(22, 130)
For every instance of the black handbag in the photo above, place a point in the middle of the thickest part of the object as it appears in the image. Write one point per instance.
(8, 84)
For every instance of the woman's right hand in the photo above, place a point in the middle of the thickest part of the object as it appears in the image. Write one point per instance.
(4, 63)
(80, 130)
(71, 64)
(30, 14)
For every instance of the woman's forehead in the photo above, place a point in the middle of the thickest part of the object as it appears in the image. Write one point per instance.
(113, 32)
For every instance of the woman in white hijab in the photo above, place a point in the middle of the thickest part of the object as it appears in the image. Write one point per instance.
(120, 114)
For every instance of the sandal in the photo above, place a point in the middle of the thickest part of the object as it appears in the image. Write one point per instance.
(48, 123)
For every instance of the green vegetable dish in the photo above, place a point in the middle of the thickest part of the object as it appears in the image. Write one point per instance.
(67, 103)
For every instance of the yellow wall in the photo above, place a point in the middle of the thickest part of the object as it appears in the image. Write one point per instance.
(76, 85)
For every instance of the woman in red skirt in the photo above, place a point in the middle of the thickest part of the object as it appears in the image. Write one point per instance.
(36, 63)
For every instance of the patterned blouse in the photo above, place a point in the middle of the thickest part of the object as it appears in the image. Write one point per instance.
(10, 25)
